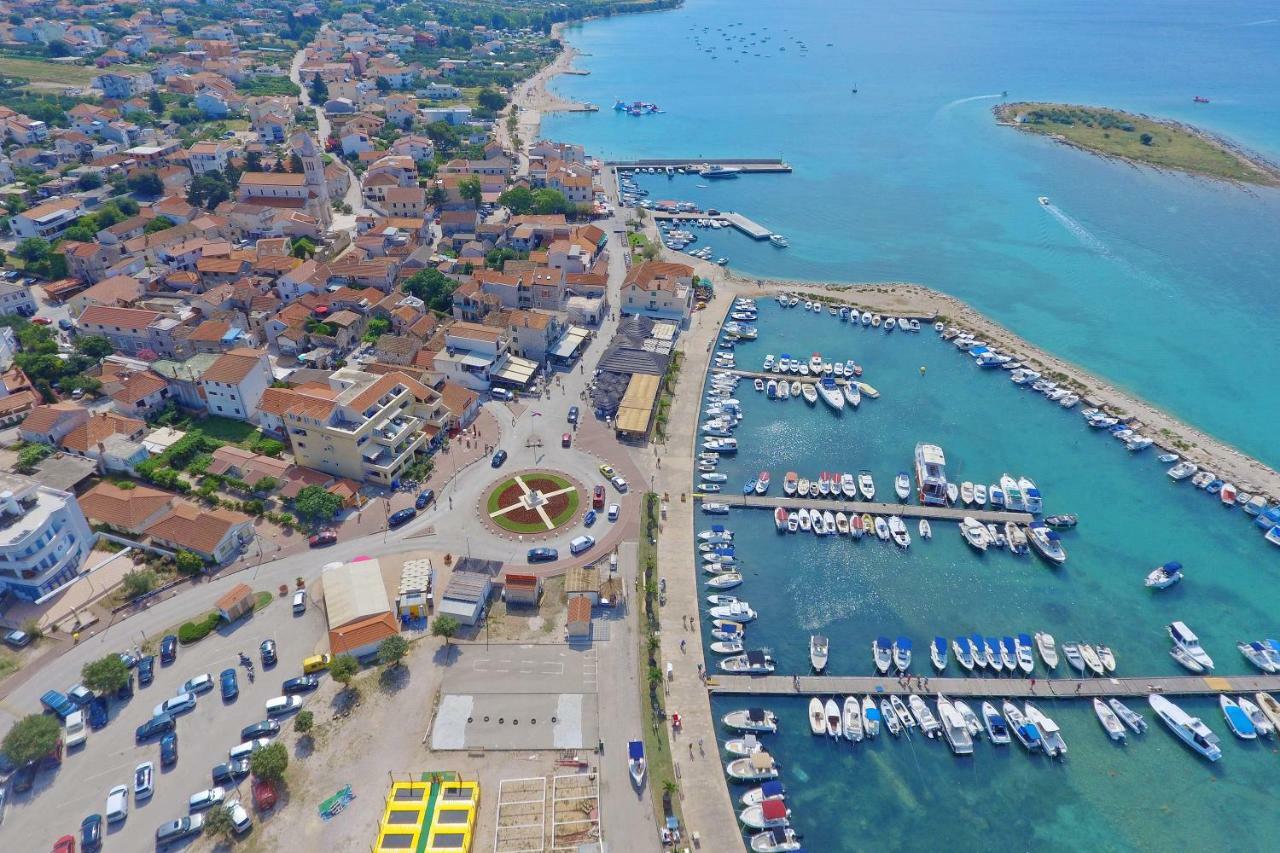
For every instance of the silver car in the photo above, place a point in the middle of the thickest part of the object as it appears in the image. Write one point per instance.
(202, 800)
(179, 704)
(143, 781)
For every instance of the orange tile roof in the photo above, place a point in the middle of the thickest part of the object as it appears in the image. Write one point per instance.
(210, 330)
(126, 509)
(283, 179)
(125, 318)
(44, 418)
(233, 596)
(138, 386)
(232, 367)
(362, 632)
(98, 428)
(196, 528)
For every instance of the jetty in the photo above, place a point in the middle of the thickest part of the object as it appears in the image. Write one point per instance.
(980, 686)
(746, 165)
(750, 227)
(905, 510)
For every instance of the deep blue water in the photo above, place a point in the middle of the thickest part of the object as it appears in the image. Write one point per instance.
(1162, 283)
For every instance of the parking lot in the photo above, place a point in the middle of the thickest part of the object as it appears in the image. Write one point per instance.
(61, 798)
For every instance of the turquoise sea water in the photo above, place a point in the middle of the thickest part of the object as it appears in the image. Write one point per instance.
(1160, 282)
(1153, 793)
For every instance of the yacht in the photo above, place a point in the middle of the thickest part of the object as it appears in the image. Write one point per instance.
(851, 719)
(1237, 720)
(1164, 576)
(1190, 730)
(728, 580)
(882, 653)
(902, 654)
(819, 647)
(1027, 733)
(954, 728)
(751, 720)
(1048, 651)
(938, 653)
(831, 394)
(1050, 734)
(779, 241)
(1129, 717)
(997, 730)
(931, 476)
(755, 662)
(1046, 542)
(1110, 721)
(1189, 643)
(1013, 498)
(718, 171)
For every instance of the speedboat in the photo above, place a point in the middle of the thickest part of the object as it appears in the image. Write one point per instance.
(716, 533)
(1270, 707)
(1259, 655)
(1190, 730)
(715, 508)
(1013, 500)
(1091, 659)
(635, 761)
(1110, 722)
(848, 486)
(1184, 639)
(818, 650)
(773, 790)
(1227, 494)
(831, 712)
(953, 494)
(898, 530)
(777, 839)
(1237, 720)
(1074, 658)
(1008, 654)
(882, 653)
(1129, 717)
(902, 485)
(748, 744)
(1183, 470)
(756, 767)
(789, 483)
(868, 391)
(997, 730)
(755, 662)
(1261, 724)
(966, 493)
(870, 717)
(1031, 500)
(810, 393)
(1164, 576)
(979, 494)
(828, 523)
(1046, 542)
(1047, 649)
(1026, 731)
(817, 717)
(751, 720)
(852, 395)
(902, 654)
(1051, 736)
(728, 580)
(991, 651)
(900, 709)
(805, 520)
(851, 718)
(735, 611)
(718, 598)
(728, 647)
(729, 632)
(995, 496)
(954, 728)
(890, 717)
(804, 487)
(975, 533)
(824, 484)
(866, 485)
(831, 394)
(1022, 651)
(938, 653)
(960, 645)
(1064, 521)
(882, 529)
(971, 721)
(928, 722)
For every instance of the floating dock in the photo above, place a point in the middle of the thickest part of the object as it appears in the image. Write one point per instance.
(980, 686)
(943, 513)
(747, 165)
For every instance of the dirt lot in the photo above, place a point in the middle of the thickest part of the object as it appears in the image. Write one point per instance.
(518, 623)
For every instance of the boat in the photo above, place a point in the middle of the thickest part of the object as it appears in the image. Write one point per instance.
(784, 390)
(828, 523)
(870, 717)
(900, 709)
(842, 524)
(866, 486)
(751, 720)
(857, 529)
(902, 485)
(868, 523)
(938, 653)
(928, 722)
(728, 647)
(1026, 731)
(635, 761)
(991, 651)
(1228, 494)
(1183, 470)
(817, 717)
(898, 530)
(831, 713)
(954, 728)
(717, 598)
(975, 533)
(1048, 543)
(1184, 639)
(796, 387)
(758, 384)
(1044, 200)
(728, 580)
(715, 508)
(804, 487)
(1091, 659)
(1270, 707)
(762, 483)
(852, 395)
(716, 533)
(1107, 657)
(745, 745)
(1024, 654)
(1129, 717)
(756, 767)
(730, 631)
(1008, 654)
(997, 730)
(979, 494)
(890, 323)
(971, 721)
(831, 393)
(890, 717)
(1190, 730)
(960, 645)
(1258, 655)
(996, 537)
(755, 662)
(953, 494)
(868, 391)
(778, 240)
(1110, 722)
(1064, 521)
(966, 493)
(882, 654)
(1261, 723)
(709, 488)
(718, 171)
(780, 519)
(777, 839)
(1237, 720)
(1164, 576)
(810, 393)
(819, 647)
(1031, 500)
(772, 790)
(804, 519)
(1015, 537)
(735, 611)
(1013, 499)
(789, 483)
(851, 717)
(882, 529)
(1050, 735)
(1185, 659)
(1074, 658)
(926, 531)
(1048, 651)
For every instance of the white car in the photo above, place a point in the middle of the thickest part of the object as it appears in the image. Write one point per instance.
(239, 817)
(179, 704)
(143, 781)
(202, 800)
(620, 484)
(613, 512)
(282, 705)
(199, 684)
(117, 803)
(76, 731)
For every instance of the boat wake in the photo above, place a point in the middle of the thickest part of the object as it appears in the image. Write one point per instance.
(946, 108)
(1084, 235)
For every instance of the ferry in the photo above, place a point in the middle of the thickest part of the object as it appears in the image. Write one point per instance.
(931, 474)
(1189, 729)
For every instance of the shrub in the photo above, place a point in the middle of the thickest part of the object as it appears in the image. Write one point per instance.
(194, 632)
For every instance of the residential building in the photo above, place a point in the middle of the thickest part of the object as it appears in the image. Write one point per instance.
(234, 383)
(47, 220)
(206, 157)
(660, 290)
(16, 299)
(44, 538)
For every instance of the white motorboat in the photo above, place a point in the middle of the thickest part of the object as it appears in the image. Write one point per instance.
(938, 653)
(1046, 542)
(1163, 577)
(1110, 721)
(1015, 537)
(870, 717)
(995, 536)
(1185, 640)
(635, 761)
(882, 528)
(890, 717)
(709, 488)
(829, 523)
(796, 387)
(736, 611)
(1270, 707)
(1074, 658)
(730, 631)
(1129, 717)
(852, 395)
(997, 729)
(954, 728)
(755, 662)
(1008, 654)
(728, 580)
(882, 654)
(1091, 659)
(1047, 648)
(784, 390)
(865, 319)
(991, 651)
(971, 721)
(728, 647)
(758, 384)
(715, 508)
(902, 485)
(1051, 736)
(719, 598)
(1258, 654)
(1261, 724)
(960, 645)
(753, 768)
(717, 533)
(979, 494)
(842, 524)
(1190, 730)
(1031, 500)
(851, 726)
(926, 531)
(1237, 720)
(819, 647)
(810, 393)
(817, 717)
(793, 522)
(804, 519)
(1026, 732)
(1183, 470)
(751, 720)
(953, 494)
(900, 709)
(831, 394)
(745, 745)
(768, 791)
(898, 530)
(902, 654)
(1012, 494)
(920, 709)
(1024, 653)
(831, 711)
(966, 493)
(868, 391)
(866, 485)
(848, 485)
(1185, 660)
(975, 533)
(777, 839)
(714, 478)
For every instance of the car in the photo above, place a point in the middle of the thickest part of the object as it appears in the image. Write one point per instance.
(401, 516)
(267, 651)
(117, 803)
(566, 440)
(128, 659)
(230, 689)
(65, 844)
(91, 833)
(153, 727)
(327, 536)
(146, 670)
(264, 794)
(41, 321)
(580, 544)
(177, 830)
(597, 497)
(169, 750)
(25, 777)
(607, 471)
(501, 394)
(300, 602)
(199, 685)
(590, 518)
(179, 704)
(425, 497)
(301, 684)
(75, 733)
(498, 458)
(614, 509)
(543, 555)
(240, 821)
(201, 800)
(282, 705)
(98, 713)
(125, 690)
(573, 414)
(315, 663)
(619, 484)
(231, 772)
(66, 325)
(18, 639)
(143, 780)
(246, 749)
(168, 649)
(266, 728)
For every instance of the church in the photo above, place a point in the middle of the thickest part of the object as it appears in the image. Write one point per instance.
(306, 192)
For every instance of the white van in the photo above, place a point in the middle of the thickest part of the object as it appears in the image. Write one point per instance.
(300, 601)
(581, 543)
(283, 705)
(118, 803)
(247, 748)
(75, 730)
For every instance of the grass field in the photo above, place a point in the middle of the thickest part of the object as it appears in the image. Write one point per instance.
(1114, 133)
(227, 429)
(57, 73)
(509, 523)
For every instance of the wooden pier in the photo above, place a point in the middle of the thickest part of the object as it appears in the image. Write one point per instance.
(987, 687)
(905, 510)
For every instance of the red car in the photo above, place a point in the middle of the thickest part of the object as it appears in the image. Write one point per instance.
(325, 537)
(65, 844)
(44, 321)
(597, 498)
(264, 795)
(566, 440)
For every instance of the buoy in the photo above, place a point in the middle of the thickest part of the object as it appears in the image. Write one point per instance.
(922, 370)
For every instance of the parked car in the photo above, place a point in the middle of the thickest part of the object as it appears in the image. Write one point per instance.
(240, 821)
(573, 414)
(41, 321)
(230, 772)
(25, 778)
(125, 691)
(607, 471)
(282, 705)
(501, 394)
(425, 497)
(264, 794)
(299, 602)
(91, 833)
(18, 639)
(168, 649)
(401, 516)
(117, 803)
(581, 543)
(266, 728)
(498, 458)
(302, 684)
(267, 651)
(81, 695)
(75, 732)
(146, 670)
(590, 518)
(179, 704)
(169, 749)
(153, 727)
(199, 685)
(128, 659)
(324, 537)
(543, 555)
(566, 440)
(98, 713)
(614, 509)
(620, 484)
(58, 703)
(246, 749)
(315, 663)
(178, 830)
(143, 780)
(597, 497)
(65, 844)
(230, 689)
(202, 800)
(66, 325)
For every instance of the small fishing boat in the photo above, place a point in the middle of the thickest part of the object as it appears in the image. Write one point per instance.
(728, 580)
(804, 487)
(938, 653)
(762, 483)
(857, 528)
(902, 485)
(751, 720)
(753, 768)
(882, 529)
(1237, 720)
(718, 598)
(754, 662)
(1048, 651)
(804, 519)
(851, 719)
(828, 523)
(1110, 721)
(1261, 724)
(848, 486)
(953, 493)
(777, 839)
(1064, 521)
(1190, 730)
(902, 654)
(790, 483)
(1091, 659)
(758, 384)
(1270, 707)
(1183, 470)
(870, 717)
(960, 645)
(882, 654)
(928, 722)
(1008, 654)
(635, 761)
(997, 730)
(780, 519)
(1050, 735)
(991, 651)
(966, 493)
(831, 711)
(817, 717)
(890, 717)
(1107, 657)
(745, 745)
(926, 531)
(868, 391)
(979, 494)
(1074, 656)
(1024, 654)
(975, 533)
(1016, 539)
(900, 709)
(866, 485)
(1026, 732)
(716, 533)
(996, 496)
(715, 508)
(898, 530)
(819, 647)
(810, 393)
(1164, 576)
(842, 524)
(852, 396)
(1129, 717)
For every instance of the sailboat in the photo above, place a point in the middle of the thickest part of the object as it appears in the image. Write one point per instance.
(635, 761)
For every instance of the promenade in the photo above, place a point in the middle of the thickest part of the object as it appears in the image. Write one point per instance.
(1013, 687)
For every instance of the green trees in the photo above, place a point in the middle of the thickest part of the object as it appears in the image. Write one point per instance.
(94, 346)
(160, 223)
(105, 675)
(146, 183)
(138, 582)
(343, 668)
(208, 190)
(392, 650)
(1146, 138)
(302, 248)
(522, 200)
(304, 722)
(315, 504)
(445, 626)
(218, 823)
(319, 91)
(270, 762)
(155, 103)
(547, 201)
(31, 456)
(491, 100)
(519, 200)
(432, 287)
(33, 737)
(189, 563)
(471, 190)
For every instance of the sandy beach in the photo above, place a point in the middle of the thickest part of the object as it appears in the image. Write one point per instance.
(533, 99)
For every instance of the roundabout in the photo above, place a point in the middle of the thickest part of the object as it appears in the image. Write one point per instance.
(533, 502)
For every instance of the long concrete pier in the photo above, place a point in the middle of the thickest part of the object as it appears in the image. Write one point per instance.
(944, 513)
(980, 686)
(746, 164)
(750, 227)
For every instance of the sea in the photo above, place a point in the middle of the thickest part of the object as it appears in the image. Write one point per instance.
(1160, 282)
(906, 794)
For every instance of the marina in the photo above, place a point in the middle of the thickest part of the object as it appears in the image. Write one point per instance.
(760, 165)
(747, 226)
(906, 510)
(1041, 688)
